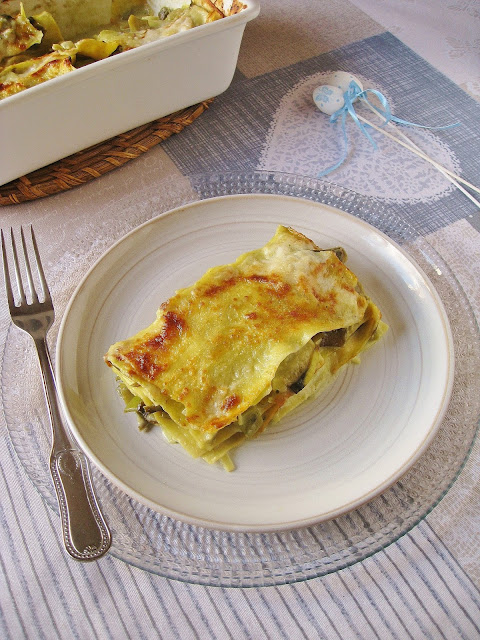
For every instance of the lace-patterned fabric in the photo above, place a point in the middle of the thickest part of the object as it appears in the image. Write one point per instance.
(304, 141)
(454, 243)
(444, 32)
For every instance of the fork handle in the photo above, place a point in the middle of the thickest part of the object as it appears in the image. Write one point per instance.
(85, 533)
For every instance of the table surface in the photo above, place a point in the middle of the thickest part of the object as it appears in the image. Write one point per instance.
(424, 56)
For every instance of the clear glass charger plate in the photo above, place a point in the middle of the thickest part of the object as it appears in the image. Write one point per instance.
(174, 549)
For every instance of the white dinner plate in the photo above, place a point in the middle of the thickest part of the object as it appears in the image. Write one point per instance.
(328, 456)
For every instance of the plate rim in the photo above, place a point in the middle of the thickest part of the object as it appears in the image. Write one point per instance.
(281, 526)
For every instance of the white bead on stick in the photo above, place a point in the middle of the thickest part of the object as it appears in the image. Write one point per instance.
(330, 98)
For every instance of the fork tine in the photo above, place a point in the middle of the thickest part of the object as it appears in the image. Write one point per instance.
(43, 280)
(28, 269)
(16, 265)
(6, 273)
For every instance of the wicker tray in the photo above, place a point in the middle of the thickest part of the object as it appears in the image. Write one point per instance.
(95, 161)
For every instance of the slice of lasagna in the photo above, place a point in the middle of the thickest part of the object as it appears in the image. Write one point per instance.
(245, 344)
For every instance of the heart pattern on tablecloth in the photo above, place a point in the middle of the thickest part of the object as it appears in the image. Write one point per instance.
(302, 140)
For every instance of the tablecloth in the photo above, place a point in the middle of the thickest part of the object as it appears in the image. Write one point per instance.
(424, 56)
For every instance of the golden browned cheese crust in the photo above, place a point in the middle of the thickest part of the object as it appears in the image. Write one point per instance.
(29, 73)
(215, 347)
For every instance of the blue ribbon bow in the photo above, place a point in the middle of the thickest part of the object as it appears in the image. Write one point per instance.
(353, 93)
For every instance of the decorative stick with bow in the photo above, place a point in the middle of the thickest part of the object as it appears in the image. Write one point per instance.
(336, 99)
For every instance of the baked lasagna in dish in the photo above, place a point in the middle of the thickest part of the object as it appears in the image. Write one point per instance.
(247, 343)
(39, 45)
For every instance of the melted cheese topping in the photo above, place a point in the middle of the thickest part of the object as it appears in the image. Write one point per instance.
(29, 73)
(31, 55)
(16, 35)
(215, 347)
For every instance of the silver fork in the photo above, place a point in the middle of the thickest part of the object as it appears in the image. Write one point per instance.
(85, 532)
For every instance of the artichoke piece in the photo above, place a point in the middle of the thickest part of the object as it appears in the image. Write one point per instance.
(96, 49)
(124, 40)
(251, 421)
(199, 15)
(293, 367)
(136, 24)
(146, 22)
(51, 30)
(133, 404)
(17, 34)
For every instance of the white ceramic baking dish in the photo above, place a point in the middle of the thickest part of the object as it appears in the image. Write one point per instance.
(72, 112)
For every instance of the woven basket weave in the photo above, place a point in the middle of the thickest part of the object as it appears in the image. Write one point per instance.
(95, 161)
